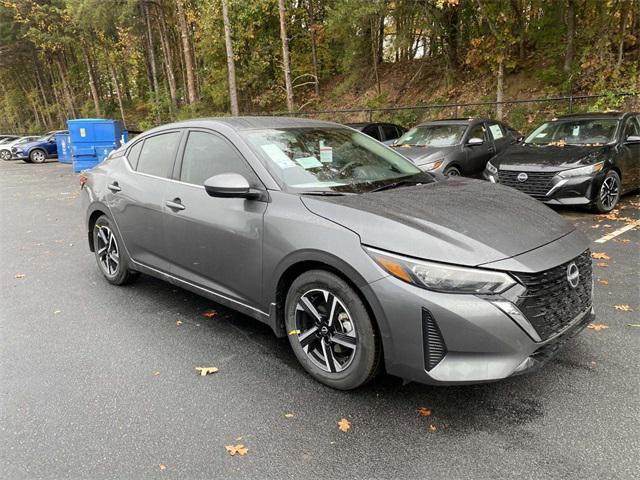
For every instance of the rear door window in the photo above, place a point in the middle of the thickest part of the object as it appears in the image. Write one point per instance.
(134, 154)
(372, 131)
(631, 128)
(158, 154)
(390, 132)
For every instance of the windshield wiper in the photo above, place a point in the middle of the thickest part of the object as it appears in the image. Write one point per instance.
(389, 186)
(324, 193)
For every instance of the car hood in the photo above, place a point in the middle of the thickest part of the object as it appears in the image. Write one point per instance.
(27, 145)
(460, 221)
(422, 155)
(529, 157)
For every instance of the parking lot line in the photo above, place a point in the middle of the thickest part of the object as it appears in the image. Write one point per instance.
(617, 232)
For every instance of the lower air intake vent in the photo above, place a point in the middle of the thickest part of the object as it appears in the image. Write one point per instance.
(434, 347)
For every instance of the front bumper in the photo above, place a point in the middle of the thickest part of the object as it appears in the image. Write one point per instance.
(581, 190)
(481, 342)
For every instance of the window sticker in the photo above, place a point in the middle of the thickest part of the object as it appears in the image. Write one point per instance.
(541, 135)
(278, 156)
(496, 131)
(308, 162)
(326, 154)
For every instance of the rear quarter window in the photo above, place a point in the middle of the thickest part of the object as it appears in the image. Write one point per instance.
(134, 154)
(158, 154)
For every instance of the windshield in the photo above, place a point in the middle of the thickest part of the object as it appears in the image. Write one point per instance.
(325, 158)
(432, 136)
(595, 131)
(24, 140)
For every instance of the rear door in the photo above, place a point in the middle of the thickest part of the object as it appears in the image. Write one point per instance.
(214, 243)
(629, 160)
(136, 197)
(499, 135)
(478, 155)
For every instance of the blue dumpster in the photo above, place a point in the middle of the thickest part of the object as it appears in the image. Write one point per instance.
(63, 142)
(92, 139)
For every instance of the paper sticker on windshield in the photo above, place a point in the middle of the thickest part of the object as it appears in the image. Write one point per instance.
(496, 131)
(278, 156)
(326, 154)
(309, 162)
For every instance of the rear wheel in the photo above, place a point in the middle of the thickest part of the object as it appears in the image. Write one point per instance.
(330, 330)
(609, 193)
(452, 172)
(109, 256)
(37, 156)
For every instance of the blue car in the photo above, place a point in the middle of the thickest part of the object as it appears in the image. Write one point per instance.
(39, 150)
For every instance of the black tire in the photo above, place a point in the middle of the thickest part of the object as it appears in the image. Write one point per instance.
(37, 155)
(452, 172)
(26, 160)
(105, 236)
(5, 155)
(361, 360)
(609, 193)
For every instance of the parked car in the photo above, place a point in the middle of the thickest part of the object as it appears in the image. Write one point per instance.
(5, 147)
(585, 159)
(7, 138)
(455, 147)
(39, 150)
(383, 132)
(343, 246)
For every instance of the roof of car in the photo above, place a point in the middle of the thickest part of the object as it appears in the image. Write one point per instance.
(596, 115)
(456, 121)
(247, 123)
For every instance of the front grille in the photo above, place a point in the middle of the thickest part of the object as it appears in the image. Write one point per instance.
(434, 347)
(537, 184)
(550, 303)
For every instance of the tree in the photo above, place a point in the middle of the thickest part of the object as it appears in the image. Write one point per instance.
(186, 53)
(286, 62)
(231, 64)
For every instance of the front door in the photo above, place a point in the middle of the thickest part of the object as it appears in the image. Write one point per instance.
(215, 243)
(478, 155)
(630, 155)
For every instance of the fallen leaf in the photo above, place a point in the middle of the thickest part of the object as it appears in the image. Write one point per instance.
(178, 323)
(20, 275)
(603, 282)
(163, 467)
(204, 371)
(597, 225)
(424, 412)
(633, 325)
(239, 449)
(209, 313)
(155, 374)
(288, 415)
(294, 332)
(56, 312)
(344, 424)
(623, 307)
(597, 326)
(623, 240)
(602, 264)
(433, 428)
(600, 256)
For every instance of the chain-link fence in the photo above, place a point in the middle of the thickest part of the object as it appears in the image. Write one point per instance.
(522, 114)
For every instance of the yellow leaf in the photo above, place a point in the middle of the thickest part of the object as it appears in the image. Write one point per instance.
(56, 312)
(424, 412)
(239, 449)
(600, 256)
(209, 313)
(163, 467)
(204, 371)
(178, 323)
(633, 325)
(288, 415)
(623, 307)
(20, 275)
(597, 326)
(294, 332)
(344, 424)
(603, 282)
(433, 428)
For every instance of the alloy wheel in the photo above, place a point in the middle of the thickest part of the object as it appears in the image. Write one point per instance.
(38, 156)
(452, 173)
(609, 192)
(5, 155)
(107, 250)
(325, 330)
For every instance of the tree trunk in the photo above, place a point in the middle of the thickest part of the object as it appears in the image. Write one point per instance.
(231, 64)
(374, 51)
(314, 52)
(92, 80)
(166, 51)
(286, 64)
(152, 60)
(571, 31)
(623, 32)
(500, 89)
(65, 86)
(192, 95)
(45, 100)
(114, 79)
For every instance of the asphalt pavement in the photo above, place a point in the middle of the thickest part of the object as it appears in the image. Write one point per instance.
(99, 382)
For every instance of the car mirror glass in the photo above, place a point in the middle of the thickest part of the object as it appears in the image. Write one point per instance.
(633, 139)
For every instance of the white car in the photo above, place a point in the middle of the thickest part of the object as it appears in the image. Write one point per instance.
(5, 148)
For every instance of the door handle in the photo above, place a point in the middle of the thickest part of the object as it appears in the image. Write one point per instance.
(175, 204)
(114, 187)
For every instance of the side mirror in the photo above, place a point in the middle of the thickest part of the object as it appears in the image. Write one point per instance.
(230, 185)
(520, 138)
(52, 140)
(633, 139)
(473, 142)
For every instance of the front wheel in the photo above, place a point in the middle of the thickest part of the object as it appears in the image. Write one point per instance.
(452, 172)
(609, 193)
(330, 330)
(37, 156)
(109, 256)
(5, 155)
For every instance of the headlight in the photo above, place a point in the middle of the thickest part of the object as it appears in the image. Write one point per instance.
(440, 277)
(433, 165)
(491, 168)
(582, 171)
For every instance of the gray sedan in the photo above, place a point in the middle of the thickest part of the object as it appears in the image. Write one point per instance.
(343, 246)
(456, 147)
